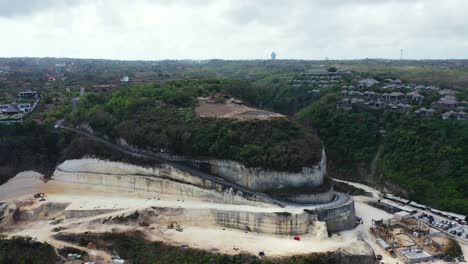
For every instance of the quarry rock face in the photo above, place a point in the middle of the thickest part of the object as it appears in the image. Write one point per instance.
(165, 181)
(259, 179)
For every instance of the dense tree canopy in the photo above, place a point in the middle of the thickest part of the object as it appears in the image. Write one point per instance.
(162, 118)
(427, 157)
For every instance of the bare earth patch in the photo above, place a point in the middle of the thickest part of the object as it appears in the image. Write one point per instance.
(206, 108)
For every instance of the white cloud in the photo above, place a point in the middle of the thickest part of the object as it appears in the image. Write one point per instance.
(233, 29)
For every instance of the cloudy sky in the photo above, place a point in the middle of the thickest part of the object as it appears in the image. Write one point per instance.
(234, 29)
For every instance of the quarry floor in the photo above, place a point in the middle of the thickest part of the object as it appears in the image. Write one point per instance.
(215, 238)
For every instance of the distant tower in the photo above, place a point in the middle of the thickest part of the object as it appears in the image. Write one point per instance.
(82, 91)
(273, 55)
(401, 54)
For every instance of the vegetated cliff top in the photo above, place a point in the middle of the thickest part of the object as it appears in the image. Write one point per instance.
(162, 117)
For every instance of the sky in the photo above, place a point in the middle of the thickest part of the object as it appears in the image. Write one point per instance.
(234, 29)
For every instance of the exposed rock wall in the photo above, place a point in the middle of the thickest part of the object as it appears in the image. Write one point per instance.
(259, 179)
(280, 223)
(69, 214)
(168, 182)
(273, 223)
(153, 182)
(311, 198)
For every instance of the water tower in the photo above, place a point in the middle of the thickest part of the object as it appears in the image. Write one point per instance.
(273, 55)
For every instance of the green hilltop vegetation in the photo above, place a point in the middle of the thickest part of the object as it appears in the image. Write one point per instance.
(162, 117)
(19, 250)
(28, 147)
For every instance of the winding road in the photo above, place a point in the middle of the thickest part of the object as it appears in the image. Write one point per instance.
(340, 198)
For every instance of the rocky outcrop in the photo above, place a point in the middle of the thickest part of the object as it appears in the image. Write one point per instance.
(162, 181)
(167, 182)
(259, 179)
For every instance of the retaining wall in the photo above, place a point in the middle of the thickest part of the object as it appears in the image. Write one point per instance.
(258, 179)
(338, 218)
(311, 198)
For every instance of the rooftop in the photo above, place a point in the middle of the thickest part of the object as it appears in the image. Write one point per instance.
(416, 254)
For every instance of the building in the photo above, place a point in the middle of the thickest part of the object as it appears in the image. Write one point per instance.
(369, 94)
(392, 206)
(25, 108)
(415, 97)
(366, 83)
(425, 112)
(448, 92)
(461, 115)
(317, 72)
(10, 109)
(448, 115)
(415, 255)
(404, 107)
(394, 96)
(448, 102)
(402, 215)
(273, 55)
(27, 94)
(125, 79)
(383, 244)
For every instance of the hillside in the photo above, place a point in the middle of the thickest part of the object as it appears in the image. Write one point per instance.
(162, 117)
(414, 155)
(427, 158)
(27, 147)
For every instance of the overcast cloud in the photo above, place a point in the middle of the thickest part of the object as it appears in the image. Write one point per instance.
(234, 29)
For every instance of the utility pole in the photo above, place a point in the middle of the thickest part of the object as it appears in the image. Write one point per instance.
(401, 54)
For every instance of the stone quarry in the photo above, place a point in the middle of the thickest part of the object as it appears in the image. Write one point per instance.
(253, 212)
(100, 194)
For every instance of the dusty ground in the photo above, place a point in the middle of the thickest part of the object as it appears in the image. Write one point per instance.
(368, 213)
(22, 184)
(231, 110)
(228, 241)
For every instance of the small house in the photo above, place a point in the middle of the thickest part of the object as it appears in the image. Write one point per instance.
(394, 96)
(27, 94)
(366, 83)
(403, 107)
(25, 108)
(11, 109)
(415, 97)
(425, 112)
(448, 102)
(448, 115)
